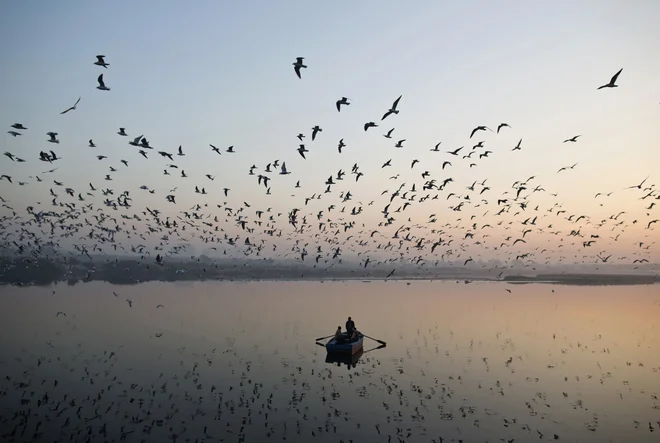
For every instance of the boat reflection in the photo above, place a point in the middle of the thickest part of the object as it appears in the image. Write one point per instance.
(349, 360)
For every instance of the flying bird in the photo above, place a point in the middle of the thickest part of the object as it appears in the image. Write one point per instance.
(612, 83)
(102, 85)
(502, 125)
(299, 64)
(393, 109)
(53, 137)
(639, 186)
(343, 101)
(572, 139)
(315, 130)
(479, 128)
(100, 62)
(72, 107)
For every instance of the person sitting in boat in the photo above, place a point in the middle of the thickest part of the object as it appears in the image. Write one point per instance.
(350, 326)
(355, 335)
(339, 337)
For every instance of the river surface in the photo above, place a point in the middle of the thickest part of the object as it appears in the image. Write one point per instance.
(238, 362)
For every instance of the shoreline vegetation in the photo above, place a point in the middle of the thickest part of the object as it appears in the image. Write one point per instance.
(44, 272)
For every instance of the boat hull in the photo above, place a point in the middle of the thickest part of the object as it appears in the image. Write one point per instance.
(343, 358)
(344, 348)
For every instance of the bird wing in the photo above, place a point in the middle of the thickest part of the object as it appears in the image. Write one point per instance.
(297, 69)
(100, 80)
(396, 102)
(613, 80)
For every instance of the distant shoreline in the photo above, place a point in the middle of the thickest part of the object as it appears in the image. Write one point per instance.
(44, 272)
(585, 279)
(565, 279)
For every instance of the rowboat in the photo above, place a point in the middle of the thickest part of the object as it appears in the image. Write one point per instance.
(349, 348)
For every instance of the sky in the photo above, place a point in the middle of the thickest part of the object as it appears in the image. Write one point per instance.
(221, 73)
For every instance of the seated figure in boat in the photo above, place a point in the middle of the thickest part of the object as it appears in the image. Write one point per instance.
(354, 335)
(350, 326)
(339, 336)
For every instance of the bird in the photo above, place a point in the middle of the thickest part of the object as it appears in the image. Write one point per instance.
(19, 126)
(393, 109)
(572, 139)
(639, 186)
(502, 125)
(91, 143)
(180, 153)
(565, 168)
(299, 64)
(122, 131)
(612, 83)
(101, 85)
(369, 125)
(479, 128)
(389, 133)
(53, 137)
(343, 101)
(315, 130)
(72, 107)
(136, 142)
(100, 62)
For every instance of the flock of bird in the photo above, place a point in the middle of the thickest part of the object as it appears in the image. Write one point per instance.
(467, 219)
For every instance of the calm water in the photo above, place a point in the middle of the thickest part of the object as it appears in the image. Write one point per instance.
(237, 362)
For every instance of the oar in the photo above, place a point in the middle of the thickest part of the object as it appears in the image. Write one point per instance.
(323, 338)
(373, 349)
(379, 341)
